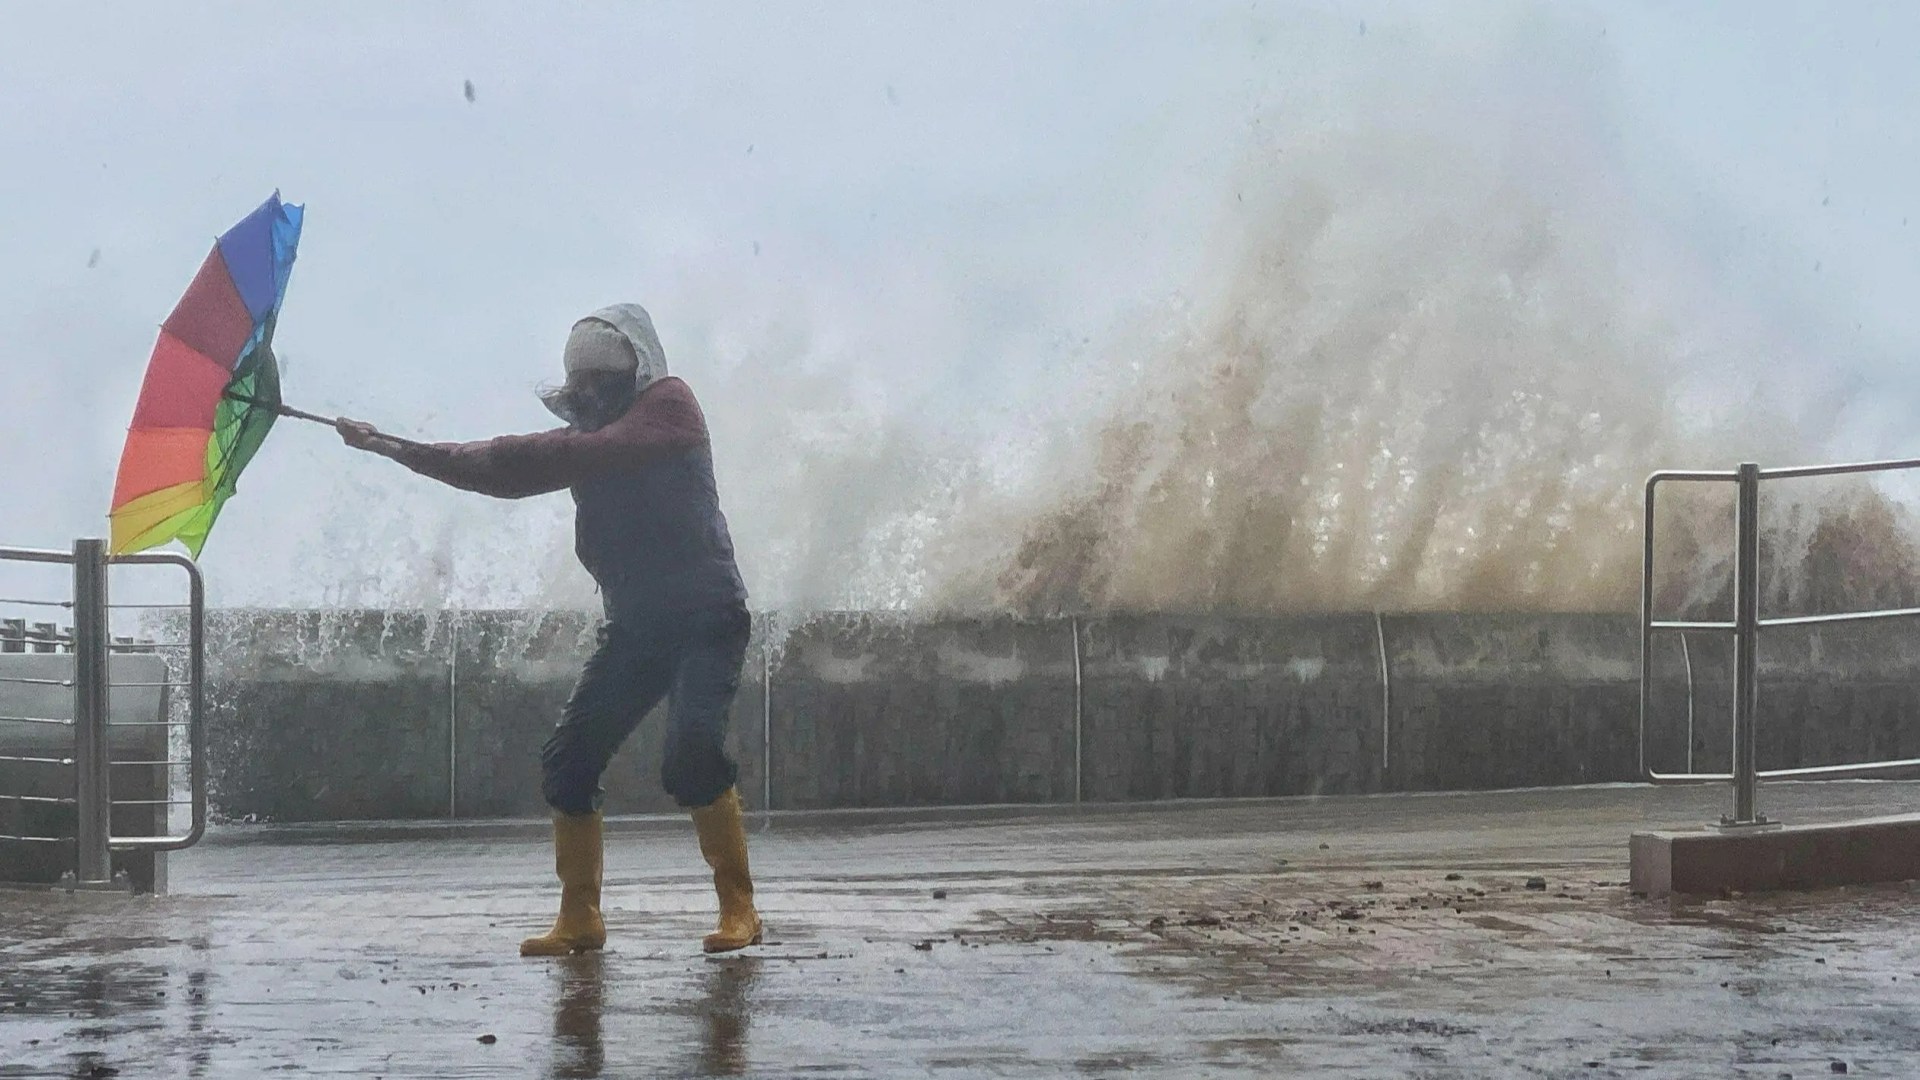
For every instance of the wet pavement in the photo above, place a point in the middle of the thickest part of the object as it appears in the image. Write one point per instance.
(1437, 936)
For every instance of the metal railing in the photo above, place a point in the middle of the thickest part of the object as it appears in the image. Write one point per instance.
(91, 646)
(1745, 629)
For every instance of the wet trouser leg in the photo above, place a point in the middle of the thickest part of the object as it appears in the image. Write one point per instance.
(627, 675)
(699, 775)
(695, 659)
(695, 767)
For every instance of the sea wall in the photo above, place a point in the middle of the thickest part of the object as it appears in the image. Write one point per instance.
(367, 715)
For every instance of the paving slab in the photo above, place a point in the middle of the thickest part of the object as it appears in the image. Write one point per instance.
(1440, 936)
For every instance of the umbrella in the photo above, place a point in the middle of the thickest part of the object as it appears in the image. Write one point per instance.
(212, 388)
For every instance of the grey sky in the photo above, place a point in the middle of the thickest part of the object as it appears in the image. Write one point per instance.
(888, 214)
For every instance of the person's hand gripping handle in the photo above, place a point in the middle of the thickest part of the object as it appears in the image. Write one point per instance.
(364, 436)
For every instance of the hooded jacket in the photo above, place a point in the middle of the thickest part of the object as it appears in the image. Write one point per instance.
(647, 522)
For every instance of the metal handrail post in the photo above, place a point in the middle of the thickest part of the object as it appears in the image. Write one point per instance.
(196, 645)
(1646, 619)
(767, 628)
(1079, 712)
(1386, 703)
(93, 797)
(1686, 658)
(1746, 642)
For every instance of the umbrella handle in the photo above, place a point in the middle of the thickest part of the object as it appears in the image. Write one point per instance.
(302, 414)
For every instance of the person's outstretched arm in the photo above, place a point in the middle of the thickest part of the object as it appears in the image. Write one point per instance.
(664, 420)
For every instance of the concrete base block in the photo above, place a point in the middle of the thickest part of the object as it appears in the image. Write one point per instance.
(1710, 860)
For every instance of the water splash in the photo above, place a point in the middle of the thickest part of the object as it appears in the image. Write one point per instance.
(1437, 363)
(1438, 345)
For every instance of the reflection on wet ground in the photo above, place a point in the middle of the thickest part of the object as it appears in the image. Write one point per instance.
(1481, 935)
(578, 999)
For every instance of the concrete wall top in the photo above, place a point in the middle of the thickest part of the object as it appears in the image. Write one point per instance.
(372, 645)
(342, 645)
(859, 648)
(1560, 648)
(1464, 648)
(376, 645)
(1302, 649)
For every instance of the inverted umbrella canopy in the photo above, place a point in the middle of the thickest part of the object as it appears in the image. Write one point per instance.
(212, 388)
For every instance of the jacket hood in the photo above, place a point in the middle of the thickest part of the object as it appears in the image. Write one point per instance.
(634, 324)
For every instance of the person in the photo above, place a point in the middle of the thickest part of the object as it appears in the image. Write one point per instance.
(648, 527)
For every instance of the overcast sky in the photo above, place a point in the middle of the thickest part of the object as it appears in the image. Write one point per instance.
(916, 215)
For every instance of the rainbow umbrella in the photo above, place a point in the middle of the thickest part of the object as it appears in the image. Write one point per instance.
(212, 388)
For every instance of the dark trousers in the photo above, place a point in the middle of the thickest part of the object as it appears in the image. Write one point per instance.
(691, 659)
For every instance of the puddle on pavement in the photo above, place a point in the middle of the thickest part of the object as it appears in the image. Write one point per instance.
(1403, 968)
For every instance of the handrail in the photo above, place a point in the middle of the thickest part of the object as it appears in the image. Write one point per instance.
(1648, 624)
(35, 555)
(91, 648)
(1836, 772)
(1745, 628)
(1797, 472)
(196, 704)
(1843, 617)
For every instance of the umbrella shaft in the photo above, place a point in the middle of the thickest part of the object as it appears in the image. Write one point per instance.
(302, 414)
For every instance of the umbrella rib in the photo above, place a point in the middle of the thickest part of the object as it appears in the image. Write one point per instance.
(225, 446)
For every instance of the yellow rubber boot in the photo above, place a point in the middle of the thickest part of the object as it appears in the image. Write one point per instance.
(576, 859)
(723, 842)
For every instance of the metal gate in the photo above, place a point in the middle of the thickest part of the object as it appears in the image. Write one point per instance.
(91, 723)
(1745, 629)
